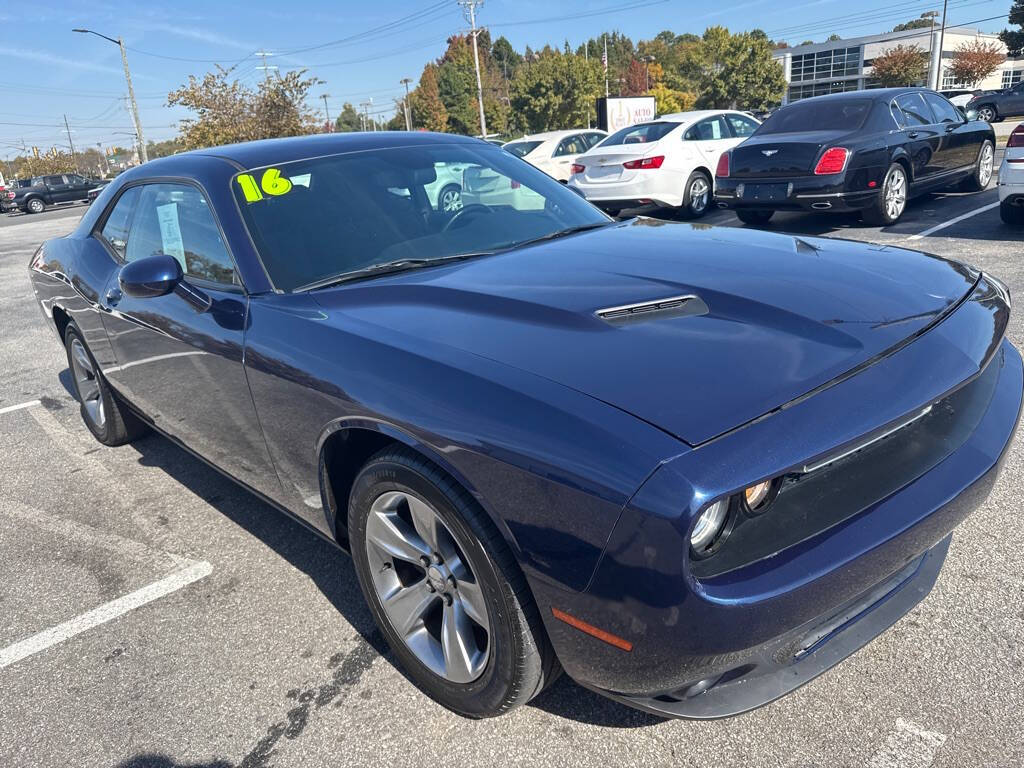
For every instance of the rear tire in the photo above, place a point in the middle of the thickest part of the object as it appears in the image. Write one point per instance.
(35, 205)
(983, 167)
(1011, 214)
(414, 532)
(104, 413)
(698, 195)
(891, 201)
(449, 200)
(753, 217)
(987, 113)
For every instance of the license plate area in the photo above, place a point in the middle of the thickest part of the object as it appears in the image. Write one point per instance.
(765, 192)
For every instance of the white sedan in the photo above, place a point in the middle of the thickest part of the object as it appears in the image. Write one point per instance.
(554, 152)
(1011, 179)
(669, 162)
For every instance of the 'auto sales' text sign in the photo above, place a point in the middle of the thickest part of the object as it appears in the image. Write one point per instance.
(616, 114)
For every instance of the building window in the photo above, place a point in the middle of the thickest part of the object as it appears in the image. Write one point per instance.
(797, 92)
(949, 82)
(1012, 76)
(838, 62)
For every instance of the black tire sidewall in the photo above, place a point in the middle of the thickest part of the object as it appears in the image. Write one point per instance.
(686, 209)
(440, 197)
(100, 433)
(881, 212)
(487, 694)
(35, 205)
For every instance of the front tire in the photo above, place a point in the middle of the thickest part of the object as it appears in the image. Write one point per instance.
(107, 417)
(891, 201)
(987, 113)
(983, 167)
(450, 199)
(697, 196)
(1011, 214)
(35, 205)
(444, 589)
(753, 217)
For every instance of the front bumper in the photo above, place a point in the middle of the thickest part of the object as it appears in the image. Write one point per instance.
(800, 194)
(717, 646)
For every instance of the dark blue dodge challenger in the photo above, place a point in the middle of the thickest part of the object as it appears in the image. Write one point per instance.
(693, 467)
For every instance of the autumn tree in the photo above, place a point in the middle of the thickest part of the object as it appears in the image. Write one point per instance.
(975, 60)
(348, 120)
(554, 91)
(899, 66)
(157, 149)
(736, 71)
(48, 162)
(1013, 39)
(428, 111)
(228, 111)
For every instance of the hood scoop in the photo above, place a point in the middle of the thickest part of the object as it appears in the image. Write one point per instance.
(673, 306)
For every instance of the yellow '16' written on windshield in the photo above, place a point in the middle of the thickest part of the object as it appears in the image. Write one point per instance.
(271, 183)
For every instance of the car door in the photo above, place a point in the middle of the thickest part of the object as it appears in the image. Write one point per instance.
(179, 356)
(565, 154)
(921, 137)
(78, 187)
(959, 145)
(710, 137)
(57, 188)
(1013, 104)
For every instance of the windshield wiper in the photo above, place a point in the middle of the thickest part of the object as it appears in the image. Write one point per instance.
(385, 268)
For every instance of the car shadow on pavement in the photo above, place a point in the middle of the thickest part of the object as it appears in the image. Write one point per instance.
(332, 573)
(153, 760)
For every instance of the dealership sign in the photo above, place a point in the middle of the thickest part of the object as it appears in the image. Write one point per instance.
(616, 114)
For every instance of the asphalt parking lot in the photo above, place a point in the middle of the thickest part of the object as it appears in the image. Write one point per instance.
(153, 614)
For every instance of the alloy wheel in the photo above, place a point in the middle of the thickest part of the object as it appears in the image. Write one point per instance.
(451, 200)
(895, 193)
(699, 193)
(426, 587)
(987, 114)
(985, 165)
(87, 383)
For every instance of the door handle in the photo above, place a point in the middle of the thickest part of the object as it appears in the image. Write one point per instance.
(114, 296)
(913, 135)
(950, 128)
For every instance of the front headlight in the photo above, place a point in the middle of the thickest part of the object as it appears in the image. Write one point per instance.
(709, 525)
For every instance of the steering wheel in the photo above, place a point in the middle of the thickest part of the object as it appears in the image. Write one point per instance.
(471, 208)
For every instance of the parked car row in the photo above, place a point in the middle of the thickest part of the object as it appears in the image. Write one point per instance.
(866, 151)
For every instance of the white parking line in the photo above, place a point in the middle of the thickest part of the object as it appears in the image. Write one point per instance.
(104, 613)
(951, 222)
(909, 746)
(29, 404)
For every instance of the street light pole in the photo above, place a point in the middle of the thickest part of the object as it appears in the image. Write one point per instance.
(408, 115)
(74, 157)
(131, 91)
(942, 42)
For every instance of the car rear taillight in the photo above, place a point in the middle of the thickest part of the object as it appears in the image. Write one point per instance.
(576, 168)
(1016, 138)
(833, 161)
(722, 171)
(647, 162)
(515, 184)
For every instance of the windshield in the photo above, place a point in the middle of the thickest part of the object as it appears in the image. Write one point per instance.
(313, 220)
(824, 115)
(644, 133)
(521, 148)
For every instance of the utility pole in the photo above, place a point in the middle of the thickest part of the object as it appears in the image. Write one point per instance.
(942, 42)
(327, 111)
(74, 157)
(933, 82)
(604, 63)
(408, 115)
(469, 8)
(366, 114)
(131, 91)
(266, 70)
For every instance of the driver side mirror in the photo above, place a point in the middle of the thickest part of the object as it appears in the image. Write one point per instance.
(155, 275)
(970, 114)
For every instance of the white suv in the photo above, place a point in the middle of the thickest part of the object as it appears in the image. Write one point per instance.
(669, 162)
(1011, 179)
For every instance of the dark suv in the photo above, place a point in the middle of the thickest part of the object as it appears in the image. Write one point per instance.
(993, 106)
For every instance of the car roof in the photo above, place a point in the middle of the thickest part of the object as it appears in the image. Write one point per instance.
(253, 154)
(875, 94)
(693, 115)
(550, 135)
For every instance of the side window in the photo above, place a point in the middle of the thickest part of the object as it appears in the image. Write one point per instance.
(944, 111)
(175, 219)
(915, 111)
(115, 230)
(593, 139)
(53, 180)
(571, 145)
(897, 115)
(742, 126)
(708, 129)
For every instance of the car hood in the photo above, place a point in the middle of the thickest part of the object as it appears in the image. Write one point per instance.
(773, 316)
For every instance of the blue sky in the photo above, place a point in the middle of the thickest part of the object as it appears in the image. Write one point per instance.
(49, 71)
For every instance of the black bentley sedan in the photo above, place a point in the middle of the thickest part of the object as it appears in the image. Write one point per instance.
(867, 151)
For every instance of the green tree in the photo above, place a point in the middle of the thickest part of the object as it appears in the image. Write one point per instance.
(456, 84)
(428, 111)
(505, 58)
(833, 37)
(923, 22)
(555, 91)
(1013, 39)
(899, 66)
(736, 71)
(228, 111)
(163, 148)
(349, 120)
(621, 52)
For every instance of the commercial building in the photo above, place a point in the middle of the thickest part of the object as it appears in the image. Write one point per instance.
(846, 65)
